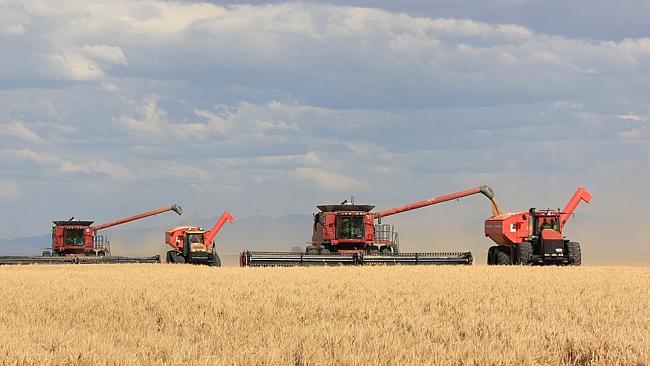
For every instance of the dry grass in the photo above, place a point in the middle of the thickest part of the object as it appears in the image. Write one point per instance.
(177, 314)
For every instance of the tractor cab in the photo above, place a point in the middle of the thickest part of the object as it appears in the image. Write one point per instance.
(195, 241)
(543, 220)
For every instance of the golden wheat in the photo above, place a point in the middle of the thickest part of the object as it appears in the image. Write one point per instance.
(183, 314)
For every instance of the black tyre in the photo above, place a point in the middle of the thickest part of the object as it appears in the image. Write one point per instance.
(174, 257)
(525, 250)
(490, 256)
(373, 249)
(214, 261)
(502, 256)
(386, 250)
(170, 256)
(575, 254)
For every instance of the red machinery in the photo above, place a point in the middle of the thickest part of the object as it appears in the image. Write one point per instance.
(534, 237)
(350, 234)
(76, 241)
(193, 244)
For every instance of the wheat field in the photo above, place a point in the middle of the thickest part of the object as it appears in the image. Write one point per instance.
(184, 314)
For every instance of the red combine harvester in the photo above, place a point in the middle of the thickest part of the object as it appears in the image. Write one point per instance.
(195, 245)
(534, 237)
(350, 234)
(77, 241)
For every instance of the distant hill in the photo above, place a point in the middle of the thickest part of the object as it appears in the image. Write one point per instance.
(31, 245)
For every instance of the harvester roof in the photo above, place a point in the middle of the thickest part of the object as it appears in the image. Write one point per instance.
(345, 207)
(73, 223)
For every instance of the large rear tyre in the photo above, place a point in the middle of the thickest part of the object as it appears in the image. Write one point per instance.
(502, 257)
(174, 257)
(575, 254)
(490, 256)
(525, 250)
(214, 261)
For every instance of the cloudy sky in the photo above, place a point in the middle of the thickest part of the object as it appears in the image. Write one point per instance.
(113, 107)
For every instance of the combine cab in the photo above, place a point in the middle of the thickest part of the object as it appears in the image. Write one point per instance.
(76, 241)
(534, 237)
(351, 234)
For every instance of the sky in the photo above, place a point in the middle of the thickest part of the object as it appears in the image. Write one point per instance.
(109, 108)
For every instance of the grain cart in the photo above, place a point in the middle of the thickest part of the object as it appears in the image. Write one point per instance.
(535, 236)
(193, 244)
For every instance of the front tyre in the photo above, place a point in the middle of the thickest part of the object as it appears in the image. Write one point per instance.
(215, 261)
(525, 252)
(502, 258)
(575, 254)
(490, 256)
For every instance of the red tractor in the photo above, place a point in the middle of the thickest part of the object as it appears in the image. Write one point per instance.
(534, 237)
(348, 233)
(193, 244)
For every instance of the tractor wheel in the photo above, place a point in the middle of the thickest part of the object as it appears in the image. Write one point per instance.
(170, 256)
(502, 258)
(324, 251)
(215, 261)
(490, 256)
(386, 250)
(173, 257)
(575, 255)
(525, 250)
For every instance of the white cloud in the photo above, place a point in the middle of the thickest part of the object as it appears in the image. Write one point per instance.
(87, 166)
(18, 129)
(633, 117)
(75, 67)
(354, 49)
(327, 180)
(104, 53)
(633, 134)
(154, 122)
(9, 190)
